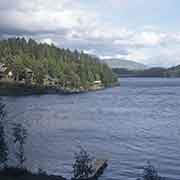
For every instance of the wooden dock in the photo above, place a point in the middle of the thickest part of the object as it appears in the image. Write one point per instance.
(99, 166)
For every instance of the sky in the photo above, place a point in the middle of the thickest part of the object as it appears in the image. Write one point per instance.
(146, 31)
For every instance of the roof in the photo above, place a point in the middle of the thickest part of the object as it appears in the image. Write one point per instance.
(3, 68)
(28, 70)
(48, 77)
(97, 81)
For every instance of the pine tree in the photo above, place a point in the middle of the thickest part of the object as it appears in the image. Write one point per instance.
(18, 54)
(82, 168)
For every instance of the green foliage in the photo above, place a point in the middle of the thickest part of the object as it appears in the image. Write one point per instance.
(73, 69)
(3, 145)
(82, 168)
(150, 173)
(20, 136)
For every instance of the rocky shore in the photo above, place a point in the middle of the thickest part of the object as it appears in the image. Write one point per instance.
(18, 89)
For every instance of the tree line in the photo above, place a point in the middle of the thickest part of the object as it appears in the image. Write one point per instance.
(72, 68)
(151, 72)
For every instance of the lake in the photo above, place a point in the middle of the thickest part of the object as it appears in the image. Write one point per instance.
(128, 125)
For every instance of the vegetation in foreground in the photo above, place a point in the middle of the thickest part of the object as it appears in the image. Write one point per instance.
(82, 167)
(13, 173)
(150, 173)
(19, 172)
(43, 64)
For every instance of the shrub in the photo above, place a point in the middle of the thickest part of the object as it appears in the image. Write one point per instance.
(82, 168)
(14, 172)
(150, 173)
(3, 145)
(20, 135)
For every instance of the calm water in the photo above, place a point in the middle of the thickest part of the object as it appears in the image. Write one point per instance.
(127, 125)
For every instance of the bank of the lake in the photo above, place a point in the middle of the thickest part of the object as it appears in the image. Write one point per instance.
(12, 173)
(19, 89)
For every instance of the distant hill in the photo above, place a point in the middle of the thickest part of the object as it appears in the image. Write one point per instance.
(151, 72)
(174, 71)
(124, 64)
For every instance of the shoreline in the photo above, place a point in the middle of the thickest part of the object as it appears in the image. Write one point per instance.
(18, 89)
(13, 173)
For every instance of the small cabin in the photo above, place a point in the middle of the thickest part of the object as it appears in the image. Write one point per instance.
(97, 85)
(5, 74)
(97, 82)
(28, 75)
(49, 81)
(3, 71)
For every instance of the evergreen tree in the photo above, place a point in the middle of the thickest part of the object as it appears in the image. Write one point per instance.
(82, 168)
(73, 69)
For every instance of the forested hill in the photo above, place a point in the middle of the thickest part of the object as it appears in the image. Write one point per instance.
(151, 72)
(124, 64)
(71, 68)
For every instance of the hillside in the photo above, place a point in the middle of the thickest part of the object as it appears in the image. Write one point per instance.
(124, 64)
(174, 71)
(42, 64)
(151, 72)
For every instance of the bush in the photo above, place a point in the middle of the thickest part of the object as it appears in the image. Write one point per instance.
(150, 173)
(3, 145)
(14, 172)
(82, 168)
(20, 135)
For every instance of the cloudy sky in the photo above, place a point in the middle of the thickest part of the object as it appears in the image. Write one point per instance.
(147, 31)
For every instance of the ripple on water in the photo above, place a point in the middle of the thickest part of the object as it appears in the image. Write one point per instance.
(128, 125)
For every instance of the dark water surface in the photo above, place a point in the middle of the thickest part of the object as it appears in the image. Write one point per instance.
(127, 125)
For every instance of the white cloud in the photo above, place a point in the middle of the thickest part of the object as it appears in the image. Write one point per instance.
(149, 38)
(144, 39)
(48, 41)
(68, 24)
(40, 15)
